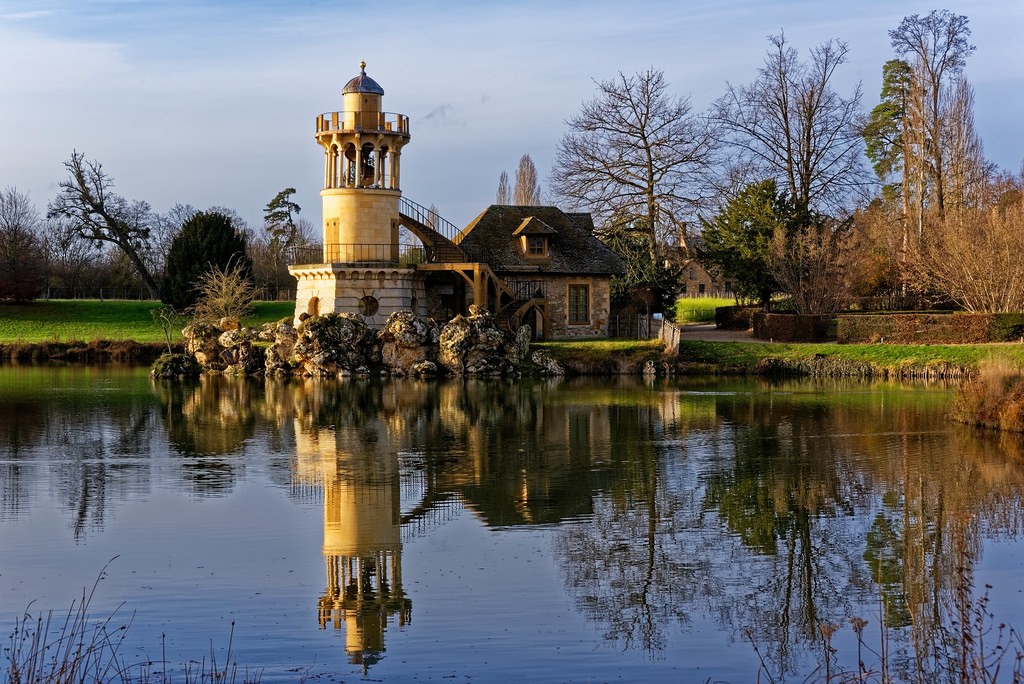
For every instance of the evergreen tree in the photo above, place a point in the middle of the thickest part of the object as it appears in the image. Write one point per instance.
(738, 240)
(279, 216)
(208, 239)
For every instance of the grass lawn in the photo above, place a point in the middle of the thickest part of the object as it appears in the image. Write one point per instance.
(746, 355)
(88, 320)
(699, 309)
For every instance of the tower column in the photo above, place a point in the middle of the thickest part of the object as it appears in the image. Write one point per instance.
(359, 162)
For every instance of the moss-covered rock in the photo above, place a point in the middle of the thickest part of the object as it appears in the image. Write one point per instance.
(408, 341)
(475, 345)
(175, 367)
(336, 344)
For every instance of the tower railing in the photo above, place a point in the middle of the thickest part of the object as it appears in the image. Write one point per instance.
(362, 121)
(402, 255)
(358, 254)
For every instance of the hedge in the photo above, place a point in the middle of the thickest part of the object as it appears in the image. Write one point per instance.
(735, 317)
(780, 327)
(930, 328)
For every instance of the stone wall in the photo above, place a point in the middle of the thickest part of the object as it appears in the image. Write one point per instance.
(558, 307)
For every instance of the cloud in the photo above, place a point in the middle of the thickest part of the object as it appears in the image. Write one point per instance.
(25, 16)
(443, 116)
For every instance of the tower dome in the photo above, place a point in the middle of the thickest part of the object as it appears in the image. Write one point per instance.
(362, 83)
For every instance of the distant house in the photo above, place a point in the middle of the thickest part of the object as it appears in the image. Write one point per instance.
(695, 279)
(557, 271)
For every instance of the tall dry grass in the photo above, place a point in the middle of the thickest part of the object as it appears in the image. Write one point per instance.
(993, 399)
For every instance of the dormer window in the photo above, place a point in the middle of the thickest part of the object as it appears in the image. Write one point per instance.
(534, 238)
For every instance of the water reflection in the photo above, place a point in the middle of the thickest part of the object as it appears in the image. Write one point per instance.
(779, 508)
(340, 450)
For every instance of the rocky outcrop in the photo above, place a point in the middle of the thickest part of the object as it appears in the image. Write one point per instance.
(475, 345)
(409, 345)
(342, 344)
(546, 365)
(336, 344)
(282, 338)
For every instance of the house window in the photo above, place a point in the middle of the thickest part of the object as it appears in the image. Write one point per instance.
(693, 274)
(536, 245)
(728, 287)
(579, 304)
(701, 288)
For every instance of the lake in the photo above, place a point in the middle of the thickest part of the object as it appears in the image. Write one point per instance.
(612, 529)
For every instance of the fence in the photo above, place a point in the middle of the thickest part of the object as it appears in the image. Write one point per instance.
(263, 294)
(669, 333)
(634, 326)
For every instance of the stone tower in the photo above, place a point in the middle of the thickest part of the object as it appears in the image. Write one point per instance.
(359, 267)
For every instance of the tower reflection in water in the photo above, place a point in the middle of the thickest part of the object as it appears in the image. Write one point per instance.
(362, 540)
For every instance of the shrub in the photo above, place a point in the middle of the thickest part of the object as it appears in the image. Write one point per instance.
(929, 328)
(175, 366)
(207, 241)
(225, 293)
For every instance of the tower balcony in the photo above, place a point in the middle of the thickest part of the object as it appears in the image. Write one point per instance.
(362, 121)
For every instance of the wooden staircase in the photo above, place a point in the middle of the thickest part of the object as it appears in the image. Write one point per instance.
(443, 254)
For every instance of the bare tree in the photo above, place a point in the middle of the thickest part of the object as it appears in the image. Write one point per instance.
(791, 125)
(164, 229)
(69, 256)
(21, 254)
(635, 153)
(966, 169)
(938, 44)
(87, 198)
(526, 191)
(810, 264)
(974, 257)
(504, 195)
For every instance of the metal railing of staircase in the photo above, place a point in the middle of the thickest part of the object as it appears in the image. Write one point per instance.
(428, 218)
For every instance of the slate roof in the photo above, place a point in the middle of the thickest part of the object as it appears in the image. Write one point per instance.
(572, 247)
(362, 83)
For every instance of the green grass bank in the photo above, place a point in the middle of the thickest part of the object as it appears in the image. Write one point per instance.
(826, 360)
(85, 320)
(90, 330)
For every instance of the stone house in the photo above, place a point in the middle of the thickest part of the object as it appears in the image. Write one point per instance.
(695, 279)
(557, 272)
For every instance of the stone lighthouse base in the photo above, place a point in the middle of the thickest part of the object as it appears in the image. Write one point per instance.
(374, 292)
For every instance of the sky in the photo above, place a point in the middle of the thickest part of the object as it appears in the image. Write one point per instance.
(213, 102)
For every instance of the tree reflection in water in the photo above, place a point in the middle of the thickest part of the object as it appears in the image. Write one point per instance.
(791, 473)
(780, 508)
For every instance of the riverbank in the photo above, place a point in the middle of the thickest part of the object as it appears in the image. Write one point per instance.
(126, 332)
(705, 350)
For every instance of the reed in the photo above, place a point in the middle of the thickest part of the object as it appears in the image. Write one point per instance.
(73, 648)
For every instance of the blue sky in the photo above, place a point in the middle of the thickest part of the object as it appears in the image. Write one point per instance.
(213, 103)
